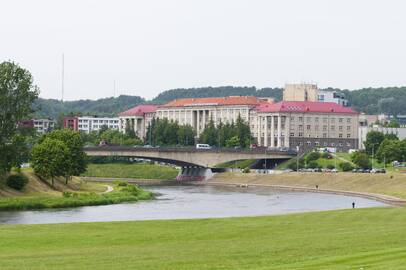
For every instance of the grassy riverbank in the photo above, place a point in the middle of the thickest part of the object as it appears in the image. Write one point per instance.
(136, 171)
(39, 194)
(392, 184)
(350, 239)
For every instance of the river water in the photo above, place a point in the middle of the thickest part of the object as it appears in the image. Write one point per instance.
(184, 202)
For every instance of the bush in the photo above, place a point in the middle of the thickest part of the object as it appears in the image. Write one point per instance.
(326, 155)
(312, 156)
(17, 181)
(246, 170)
(346, 166)
(131, 189)
(312, 165)
(121, 183)
(330, 166)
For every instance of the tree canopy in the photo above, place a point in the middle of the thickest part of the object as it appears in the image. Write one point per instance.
(17, 94)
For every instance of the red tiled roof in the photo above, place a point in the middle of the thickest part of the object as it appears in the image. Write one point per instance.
(305, 106)
(139, 110)
(231, 100)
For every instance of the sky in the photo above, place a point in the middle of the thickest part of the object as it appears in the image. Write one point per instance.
(145, 47)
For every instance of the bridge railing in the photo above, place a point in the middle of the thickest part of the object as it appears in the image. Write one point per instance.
(191, 149)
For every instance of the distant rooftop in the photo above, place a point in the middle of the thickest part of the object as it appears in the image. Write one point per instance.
(305, 106)
(140, 110)
(214, 101)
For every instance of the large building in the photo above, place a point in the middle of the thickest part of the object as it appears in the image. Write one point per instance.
(41, 126)
(303, 124)
(332, 96)
(88, 124)
(306, 125)
(300, 92)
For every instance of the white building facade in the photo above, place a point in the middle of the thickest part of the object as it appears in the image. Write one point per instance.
(88, 124)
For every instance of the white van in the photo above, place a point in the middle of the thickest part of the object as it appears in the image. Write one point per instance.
(202, 146)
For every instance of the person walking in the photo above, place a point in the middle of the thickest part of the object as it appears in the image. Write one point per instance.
(353, 205)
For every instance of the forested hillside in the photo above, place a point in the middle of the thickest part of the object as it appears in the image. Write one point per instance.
(222, 91)
(101, 107)
(390, 100)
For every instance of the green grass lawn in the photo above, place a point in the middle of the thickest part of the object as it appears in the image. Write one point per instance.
(349, 239)
(136, 170)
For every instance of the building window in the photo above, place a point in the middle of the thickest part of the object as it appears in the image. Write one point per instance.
(292, 134)
(324, 135)
(348, 135)
(316, 127)
(324, 119)
(292, 118)
(300, 127)
(308, 127)
(316, 119)
(333, 120)
(309, 143)
(348, 120)
(340, 120)
(300, 134)
(340, 144)
(324, 128)
(300, 119)
(316, 143)
(300, 143)
(348, 144)
(333, 127)
(348, 127)
(325, 143)
(340, 128)
(309, 119)
(340, 135)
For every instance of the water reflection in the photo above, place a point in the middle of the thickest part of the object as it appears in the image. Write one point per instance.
(180, 202)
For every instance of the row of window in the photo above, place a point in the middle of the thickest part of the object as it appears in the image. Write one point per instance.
(325, 144)
(316, 119)
(324, 135)
(316, 127)
(99, 121)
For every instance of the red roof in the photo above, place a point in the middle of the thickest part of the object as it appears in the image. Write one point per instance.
(305, 106)
(139, 110)
(214, 101)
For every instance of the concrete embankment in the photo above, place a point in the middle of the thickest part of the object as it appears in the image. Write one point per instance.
(141, 182)
(377, 187)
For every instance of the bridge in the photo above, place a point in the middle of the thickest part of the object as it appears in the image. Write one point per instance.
(196, 164)
(188, 156)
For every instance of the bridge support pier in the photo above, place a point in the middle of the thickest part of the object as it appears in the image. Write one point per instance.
(194, 174)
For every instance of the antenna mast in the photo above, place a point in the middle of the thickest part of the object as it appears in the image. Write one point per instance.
(63, 76)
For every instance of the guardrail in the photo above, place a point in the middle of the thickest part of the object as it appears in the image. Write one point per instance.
(190, 149)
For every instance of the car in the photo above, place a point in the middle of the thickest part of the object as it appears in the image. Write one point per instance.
(203, 146)
(334, 171)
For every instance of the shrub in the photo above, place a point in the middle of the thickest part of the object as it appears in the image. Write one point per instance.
(346, 166)
(312, 156)
(121, 183)
(330, 166)
(246, 170)
(326, 155)
(312, 164)
(131, 189)
(17, 181)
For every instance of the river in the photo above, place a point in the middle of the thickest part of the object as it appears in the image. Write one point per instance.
(187, 202)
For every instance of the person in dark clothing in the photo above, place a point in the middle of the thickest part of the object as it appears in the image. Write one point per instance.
(353, 204)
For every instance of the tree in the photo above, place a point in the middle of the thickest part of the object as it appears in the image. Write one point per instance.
(312, 156)
(243, 132)
(373, 141)
(312, 164)
(17, 94)
(48, 158)
(346, 166)
(209, 134)
(186, 136)
(233, 142)
(361, 159)
(391, 136)
(75, 159)
(389, 150)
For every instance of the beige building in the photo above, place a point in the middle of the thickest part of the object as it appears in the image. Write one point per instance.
(305, 124)
(300, 92)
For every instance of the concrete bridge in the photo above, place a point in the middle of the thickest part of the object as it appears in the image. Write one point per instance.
(196, 164)
(188, 156)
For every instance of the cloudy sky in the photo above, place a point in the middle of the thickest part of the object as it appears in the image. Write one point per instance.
(154, 45)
